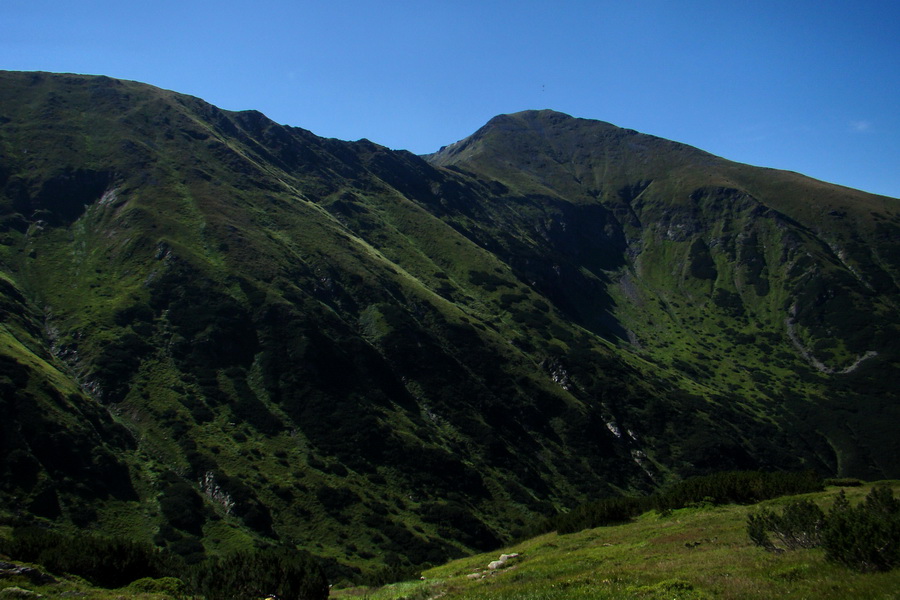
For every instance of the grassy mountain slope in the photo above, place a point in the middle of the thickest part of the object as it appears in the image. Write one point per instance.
(692, 553)
(703, 552)
(259, 334)
(783, 287)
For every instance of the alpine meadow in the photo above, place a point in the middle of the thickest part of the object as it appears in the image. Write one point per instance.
(221, 334)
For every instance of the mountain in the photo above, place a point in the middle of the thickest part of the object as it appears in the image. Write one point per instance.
(220, 331)
(748, 280)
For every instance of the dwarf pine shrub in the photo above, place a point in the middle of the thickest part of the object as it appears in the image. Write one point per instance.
(106, 562)
(282, 572)
(728, 487)
(865, 537)
(798, 526)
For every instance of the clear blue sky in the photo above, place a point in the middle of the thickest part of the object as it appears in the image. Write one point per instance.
(809, 86)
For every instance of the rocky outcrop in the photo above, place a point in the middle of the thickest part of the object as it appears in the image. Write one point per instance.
(9, 570)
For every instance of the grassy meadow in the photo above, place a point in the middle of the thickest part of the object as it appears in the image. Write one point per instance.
(699, 552)
(691, 553)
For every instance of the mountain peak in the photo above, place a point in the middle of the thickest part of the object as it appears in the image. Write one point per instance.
(527, 122)
(544, 122)
(551, 145)
(530, 117)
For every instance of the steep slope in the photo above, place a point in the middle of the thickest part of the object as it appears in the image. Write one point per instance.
(259, 334)
(296, 347)
(765, 276)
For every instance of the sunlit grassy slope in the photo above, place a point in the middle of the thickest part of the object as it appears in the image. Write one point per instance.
(691, 553)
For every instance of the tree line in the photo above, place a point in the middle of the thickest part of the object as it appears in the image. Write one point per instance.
(286, 573)
(728, 487)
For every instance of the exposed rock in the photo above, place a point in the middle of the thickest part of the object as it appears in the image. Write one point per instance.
(17, 593)
(501, 562)
(33, 575)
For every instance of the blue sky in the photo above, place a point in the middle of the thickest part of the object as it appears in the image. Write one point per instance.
(806, 86)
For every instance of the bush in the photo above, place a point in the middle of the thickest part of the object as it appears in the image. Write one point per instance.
(105, 562)
(170, 586)
(799, 526)
(866, 537)
(729, 487)
(391, 574)
(737, 487)
(180, 504)
(843, 482)
(284, 572)
(608, 511)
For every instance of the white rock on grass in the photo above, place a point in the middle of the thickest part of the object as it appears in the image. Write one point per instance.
(497, 564)
(17, 593)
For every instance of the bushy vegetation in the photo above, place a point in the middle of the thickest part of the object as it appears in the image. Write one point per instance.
(105, 562)
(731, 487)
(798, 526)
(112, 563)
(736, 487)
(843, 481)
(865, 537)
(285, 573)
(608, 511)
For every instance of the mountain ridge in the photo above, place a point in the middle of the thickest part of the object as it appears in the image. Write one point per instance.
(265, 335)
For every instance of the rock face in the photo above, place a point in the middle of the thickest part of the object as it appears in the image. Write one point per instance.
(308, 335)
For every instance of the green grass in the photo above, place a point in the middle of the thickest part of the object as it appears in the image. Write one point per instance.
(701, 553)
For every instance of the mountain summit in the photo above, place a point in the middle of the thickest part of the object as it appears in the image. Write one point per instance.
(531, 141)
(220, 330)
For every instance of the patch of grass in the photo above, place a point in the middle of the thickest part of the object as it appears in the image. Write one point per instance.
(691, 553)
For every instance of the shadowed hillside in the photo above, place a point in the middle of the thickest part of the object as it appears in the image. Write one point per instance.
(220, 330)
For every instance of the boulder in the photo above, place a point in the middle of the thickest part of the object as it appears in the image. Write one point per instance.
(500, 562)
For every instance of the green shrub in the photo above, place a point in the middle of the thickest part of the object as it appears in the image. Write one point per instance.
(843, 482)
(608, 511)
(284, 572)
(180, 504)
(169, 586)
(798, 526)
(737, 487)
(866, 537)
(388, 574)
(105, 562)
(729, 487)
